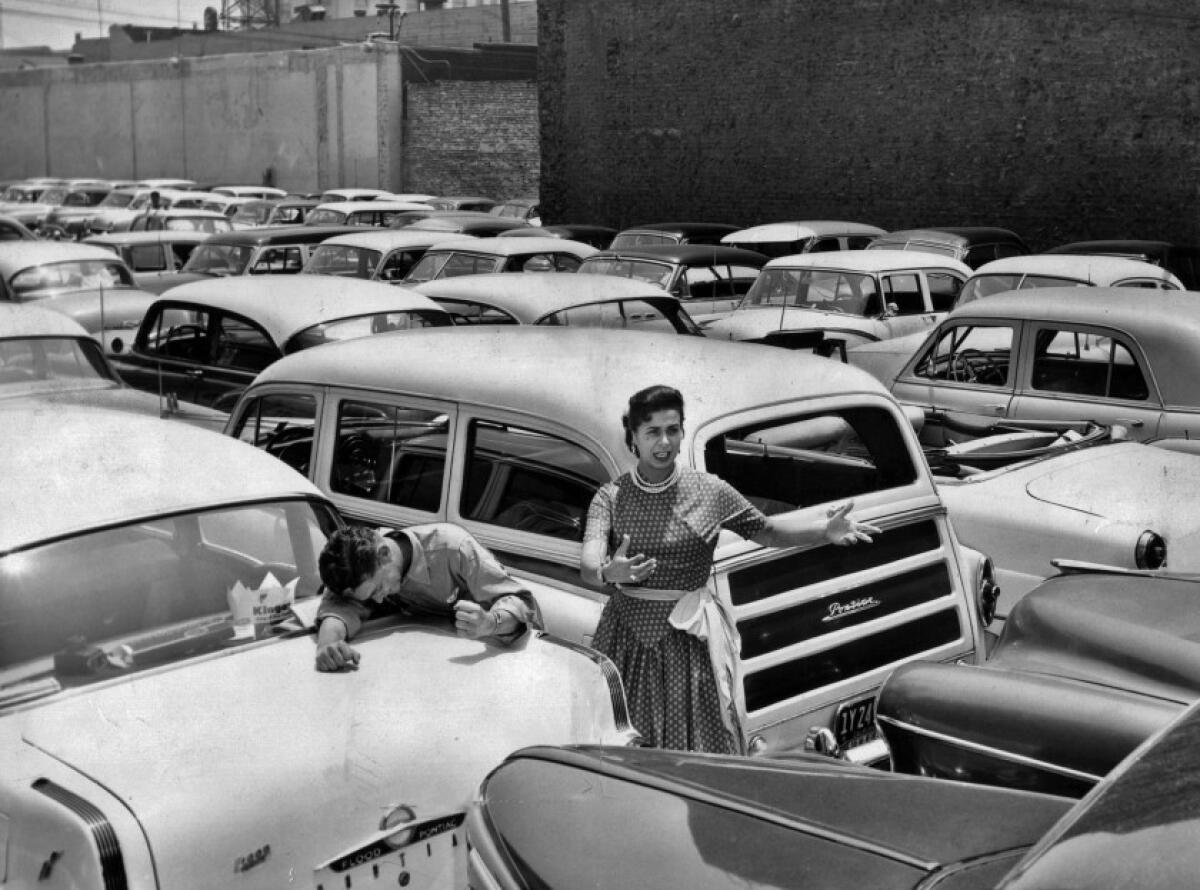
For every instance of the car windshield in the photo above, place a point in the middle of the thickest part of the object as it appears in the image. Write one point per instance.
(54, 196)
(40, 281)
(987, 285)
(219, 259)
(343, 259)
(47, 364)
(210, 224)
(82, 608)
(449, 264)
(829, 290)
(642, 239)
(21, 194)
(636, 315)
(117, 199)
(657, 274)
(252, 214)
(82, 199)
(323, 216)
(364, 326)
(801, 460)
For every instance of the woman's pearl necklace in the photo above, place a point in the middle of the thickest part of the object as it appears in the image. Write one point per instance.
(655, 487)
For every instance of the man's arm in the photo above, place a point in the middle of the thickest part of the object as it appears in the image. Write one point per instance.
(333, 652)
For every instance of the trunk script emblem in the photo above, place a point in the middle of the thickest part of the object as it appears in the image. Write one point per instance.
(837, 611)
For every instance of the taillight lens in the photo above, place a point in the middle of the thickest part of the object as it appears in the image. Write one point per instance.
(1151, 551)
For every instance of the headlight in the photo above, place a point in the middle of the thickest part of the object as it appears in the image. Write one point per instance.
(987, 590)
(1151, 551)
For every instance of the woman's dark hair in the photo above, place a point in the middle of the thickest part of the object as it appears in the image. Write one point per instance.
(349, 556)
(644, 402)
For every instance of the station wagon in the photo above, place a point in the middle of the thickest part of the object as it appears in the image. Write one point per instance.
(137, 714)
(845, 297)
(509, 430)
(1116, 356)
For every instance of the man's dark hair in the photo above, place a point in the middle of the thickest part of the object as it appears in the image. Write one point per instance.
(349, 556)
(643, 404)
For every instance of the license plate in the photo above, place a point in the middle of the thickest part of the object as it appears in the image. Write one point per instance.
(854, 722)
(426, 855)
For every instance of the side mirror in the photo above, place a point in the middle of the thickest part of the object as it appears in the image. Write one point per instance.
(891, 309)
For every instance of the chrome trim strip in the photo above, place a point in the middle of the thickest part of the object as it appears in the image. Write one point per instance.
(999, 754)
(112, 863)
(616, 690)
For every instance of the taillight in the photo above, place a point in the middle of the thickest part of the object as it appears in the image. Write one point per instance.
(1151, 551)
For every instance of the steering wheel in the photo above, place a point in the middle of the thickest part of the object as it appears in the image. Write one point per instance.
(973, 366)
(355, 466)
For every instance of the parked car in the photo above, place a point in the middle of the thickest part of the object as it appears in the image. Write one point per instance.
(167, 183)
(1115, 356)
(448, 259)
(885, 358)
(179, 219)
(466, 222)
(597, 236)
(353, 194)
(267, 250)
(649, 234)
(841, 299)
(1097, 654)
(256, 192)
(119, 208)
(561, 299)
(151, 255)
(204, 342)
(48, 358)
(32, 214)
(382, 255)
(11, 230)
(462, 202)
(710, 279)
(291, 211)
(90, 284)
(509, 430)
(378, 212)
(72, 218)
(132, 694)
(527, 209)
(806, 236)
(1181, 260)
(973, 245)
(711, 821)
(253, 213)
(225, 204)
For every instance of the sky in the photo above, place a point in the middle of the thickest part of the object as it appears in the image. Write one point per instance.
(55, 23)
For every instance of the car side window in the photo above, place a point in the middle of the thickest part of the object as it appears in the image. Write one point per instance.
(975, 354)
(147, 258)
(979, 254)
(528, 480)
(243, 346)
(180, 252)
(389, 453)
(466, 264)
(824, 245)
(698, 282)
(179, 333)
(278, 261)
(943, 290)
(904, 292)
(397, 264)
(1086, 364)
(281, 424)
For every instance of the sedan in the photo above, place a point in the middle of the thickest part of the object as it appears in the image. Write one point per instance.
(459, 257)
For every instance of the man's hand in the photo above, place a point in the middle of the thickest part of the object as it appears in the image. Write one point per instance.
(337, 656)
(473, 621)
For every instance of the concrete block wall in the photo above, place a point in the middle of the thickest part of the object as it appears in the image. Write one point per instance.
(472, 138)
(1063, 120)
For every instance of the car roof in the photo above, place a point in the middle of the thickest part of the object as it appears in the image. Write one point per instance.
(794, 231)
(511, 246)
(686, 254)
(1098, 270)
(381, 203)
(287, 304)
(191, 212)
(298, 234)
(388, 239)
(579, 377)
(157, 236)
(69, 470)
(868, 261)
(529, 297)
(17, 255)
(960, 235)
(20, 320)
(681, 228)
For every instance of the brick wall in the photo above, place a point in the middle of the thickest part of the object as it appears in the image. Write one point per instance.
(472, 138)
(1061, 119)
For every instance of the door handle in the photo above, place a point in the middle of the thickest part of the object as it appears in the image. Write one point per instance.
(996, 409)
(1130, 421)
(194, 373)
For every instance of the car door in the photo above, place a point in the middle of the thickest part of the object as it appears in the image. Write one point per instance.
(965, 372)
(906, 294)
(173, 346)
(1083, 372)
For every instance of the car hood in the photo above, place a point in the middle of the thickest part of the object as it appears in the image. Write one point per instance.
(754, 324)
(253, 748)
(120, 398)
(1114, 629)
(686, 820)
(885, 359)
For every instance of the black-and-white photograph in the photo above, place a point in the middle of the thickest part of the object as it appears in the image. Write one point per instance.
(599, 444)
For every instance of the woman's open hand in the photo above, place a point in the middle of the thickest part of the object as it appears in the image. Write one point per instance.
(626, 569)
(842, 530)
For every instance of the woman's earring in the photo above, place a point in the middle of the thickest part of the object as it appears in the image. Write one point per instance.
(633, 447)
